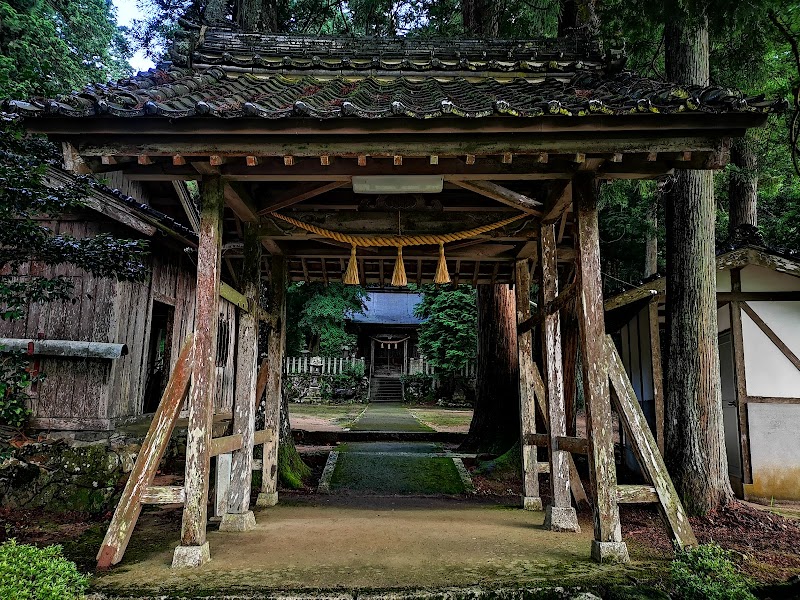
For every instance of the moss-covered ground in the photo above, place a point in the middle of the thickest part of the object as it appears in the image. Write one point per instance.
(388, 416)
(387, 474)
(342, 415)
(443, 419)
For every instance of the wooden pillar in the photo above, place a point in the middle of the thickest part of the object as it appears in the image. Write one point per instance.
(531, 500)
(193, 550)
(238, 516)
(658, 371)
(275, 351)
(737, 341)
(560, 515)
(607, 545)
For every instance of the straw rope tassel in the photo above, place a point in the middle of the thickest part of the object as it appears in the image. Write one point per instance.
(442, 276)
(351, 275)
(399, 276)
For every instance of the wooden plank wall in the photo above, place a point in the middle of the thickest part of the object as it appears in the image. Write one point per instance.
(91, 393)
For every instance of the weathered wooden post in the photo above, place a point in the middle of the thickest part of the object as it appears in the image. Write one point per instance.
(193, 550)
(560, 515)
(275, 351)
(239, 517)
(531, 500)
(607, 545)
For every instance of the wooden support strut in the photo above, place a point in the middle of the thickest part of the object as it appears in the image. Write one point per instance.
(646, 449)
(155, 442)
(607, 545)
(531, 499)
(193, 550)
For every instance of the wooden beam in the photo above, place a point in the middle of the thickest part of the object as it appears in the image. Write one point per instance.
(252, 161)
(301, 193)
(178, 160)
(288, 161)
(771, 400)
(607, 544)
(501, 194)
(646, 450)
(144, 160)
(470, 159)
(216, 160)
(739, 377)
(658, 372)
(558, 202)
(571, 444)
(245, 401)
(262, 437)
(144, 469)
(560, 515)
(164, 494)
(507, 158)
(226, 444)
(192, 214)
(773, 337)
(567, 294)
(636, 494)
(792, 296)
(201, 395)
(324, 160)
(276, 344)
(531, 498)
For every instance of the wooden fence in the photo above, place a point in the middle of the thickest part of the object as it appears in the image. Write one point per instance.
(320, 365)
(420, 365)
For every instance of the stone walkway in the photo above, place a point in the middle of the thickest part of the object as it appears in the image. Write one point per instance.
(416, 468)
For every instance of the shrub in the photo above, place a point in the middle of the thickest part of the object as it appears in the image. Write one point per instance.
(418, 388)
(708, 573)
(14, 381)
(31, 573)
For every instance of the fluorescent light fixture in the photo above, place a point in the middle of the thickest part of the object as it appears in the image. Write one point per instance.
(398, 184)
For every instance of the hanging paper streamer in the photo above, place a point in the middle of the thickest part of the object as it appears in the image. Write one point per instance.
(442, 276)
(351, 275)
(399, 276)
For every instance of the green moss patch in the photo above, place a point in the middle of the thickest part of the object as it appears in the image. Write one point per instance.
(383, 474)
(388, 417)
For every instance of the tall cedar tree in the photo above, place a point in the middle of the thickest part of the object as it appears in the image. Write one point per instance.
(695, 440)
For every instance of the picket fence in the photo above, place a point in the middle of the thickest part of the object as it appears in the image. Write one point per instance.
(302, 365)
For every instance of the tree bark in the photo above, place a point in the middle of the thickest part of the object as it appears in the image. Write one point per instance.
(694, 430)
(651, 241)
(495, 422)
(743, 185)
(481, 18)
(257, 15)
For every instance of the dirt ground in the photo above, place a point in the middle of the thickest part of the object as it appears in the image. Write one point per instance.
(350, 542)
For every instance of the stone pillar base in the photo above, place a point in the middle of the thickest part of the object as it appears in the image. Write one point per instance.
(267, 499)
(238, 521)
(561, 519)
(532, 503)
(191, 556)
(610, 552)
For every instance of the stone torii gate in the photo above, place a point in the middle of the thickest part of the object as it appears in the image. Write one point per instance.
(403, 139)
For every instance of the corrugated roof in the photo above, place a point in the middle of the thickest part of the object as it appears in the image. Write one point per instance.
(389, 308)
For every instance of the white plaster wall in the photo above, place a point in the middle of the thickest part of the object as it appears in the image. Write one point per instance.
(761, 279)
(723, 281)
(767, 371)
(774, 451)
(723, 318)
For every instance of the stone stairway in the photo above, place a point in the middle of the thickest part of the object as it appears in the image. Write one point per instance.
(386, 389)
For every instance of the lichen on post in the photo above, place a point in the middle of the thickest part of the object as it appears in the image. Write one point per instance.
(193, 550)
(239, 517)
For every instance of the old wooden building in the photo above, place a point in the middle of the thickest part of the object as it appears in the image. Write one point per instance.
(147, 321)
(496, 148)
(758, 320)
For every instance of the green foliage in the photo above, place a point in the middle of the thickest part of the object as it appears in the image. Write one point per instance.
(50, 48)
(448, 335)
(350, 385)
(316, 317)
(14, 381)
(708, 573)
(31, 573)
(419, 388)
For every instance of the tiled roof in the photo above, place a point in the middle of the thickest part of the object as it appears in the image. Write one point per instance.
(184, 93)
(389, 308)
(234, 75)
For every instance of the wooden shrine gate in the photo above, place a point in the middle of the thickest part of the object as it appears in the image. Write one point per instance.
(461, 161)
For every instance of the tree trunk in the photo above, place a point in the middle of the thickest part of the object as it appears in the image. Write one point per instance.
(578, 14)
(481, 18)
(651, 241)
(257, 15)
(495, 422)
(743, 186)
(694, 430)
